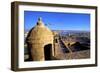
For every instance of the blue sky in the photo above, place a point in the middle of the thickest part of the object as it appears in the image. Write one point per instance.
(57, 20)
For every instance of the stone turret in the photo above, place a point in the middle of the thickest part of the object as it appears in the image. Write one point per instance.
(40, 42)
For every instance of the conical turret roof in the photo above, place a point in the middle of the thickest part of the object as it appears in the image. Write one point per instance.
(40, 33)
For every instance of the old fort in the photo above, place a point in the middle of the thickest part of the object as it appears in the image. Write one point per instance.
(42, 44)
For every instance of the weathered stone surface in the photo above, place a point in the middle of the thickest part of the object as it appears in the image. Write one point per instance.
(38, 37)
